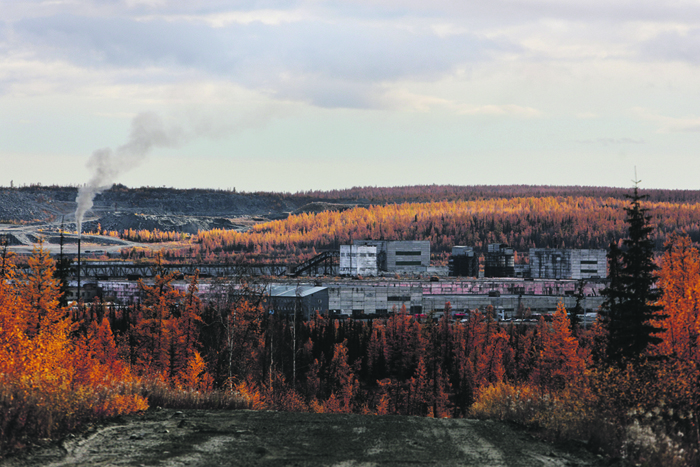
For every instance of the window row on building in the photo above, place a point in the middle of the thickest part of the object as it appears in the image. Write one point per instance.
(543, 263)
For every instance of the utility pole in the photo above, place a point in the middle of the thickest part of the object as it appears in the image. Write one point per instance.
(3, 242)
(272, 356)
(294, 337)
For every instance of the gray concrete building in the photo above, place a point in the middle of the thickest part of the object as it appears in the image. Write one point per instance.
(358, 260)
(374, 298)
(509, 305)
(304, 299)
(409, 257)
(551, 263)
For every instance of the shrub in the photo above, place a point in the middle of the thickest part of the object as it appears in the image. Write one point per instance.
(565, 414)
(160, 394)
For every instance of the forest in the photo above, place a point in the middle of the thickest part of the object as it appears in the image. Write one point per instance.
(522, 223)
(629, 386)
(63, 367)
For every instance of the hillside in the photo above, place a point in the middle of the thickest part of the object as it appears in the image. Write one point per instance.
(148, 208)
(39, 203)
(49, 203)
(227, 225)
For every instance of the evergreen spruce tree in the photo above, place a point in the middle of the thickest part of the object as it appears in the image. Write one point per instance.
(631, 296)
(575, 320)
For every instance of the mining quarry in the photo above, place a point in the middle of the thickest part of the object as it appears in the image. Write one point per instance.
(29, 214)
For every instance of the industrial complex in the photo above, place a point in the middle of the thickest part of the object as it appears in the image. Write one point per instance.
(375, 278)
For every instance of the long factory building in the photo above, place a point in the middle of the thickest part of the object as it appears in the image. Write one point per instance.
(551, 276)
(353, 298)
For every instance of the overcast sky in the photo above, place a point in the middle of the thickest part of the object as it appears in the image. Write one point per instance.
(293, 96)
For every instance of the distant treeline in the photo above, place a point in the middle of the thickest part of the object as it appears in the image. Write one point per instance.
(415, 193)
(428, 193)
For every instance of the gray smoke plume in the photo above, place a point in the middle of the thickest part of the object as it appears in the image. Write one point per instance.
(147, 131)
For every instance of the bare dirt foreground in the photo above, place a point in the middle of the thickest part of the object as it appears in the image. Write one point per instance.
(267, 438)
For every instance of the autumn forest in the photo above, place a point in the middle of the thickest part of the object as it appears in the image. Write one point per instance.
(522, 222)
(64, 366)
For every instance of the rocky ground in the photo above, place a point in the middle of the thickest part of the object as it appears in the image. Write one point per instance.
(30, 213)
(43, 204)
(267, 438)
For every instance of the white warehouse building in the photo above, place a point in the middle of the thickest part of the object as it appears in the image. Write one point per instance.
(358, 260)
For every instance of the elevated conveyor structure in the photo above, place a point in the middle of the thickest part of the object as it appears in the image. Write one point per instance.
(119, 269)
(325, 264)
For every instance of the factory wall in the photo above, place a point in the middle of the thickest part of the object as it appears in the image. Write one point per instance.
(586, 264)
(374, 298)
(408, 256)
(353, 298)
(463, 262)
(550, 263)
(358, 260)
(128, 292)
(508, 304)
(500, 261)
(380, 245)
(306, 306)
(421, 297)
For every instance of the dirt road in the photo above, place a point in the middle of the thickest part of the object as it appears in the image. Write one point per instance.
(250, 438)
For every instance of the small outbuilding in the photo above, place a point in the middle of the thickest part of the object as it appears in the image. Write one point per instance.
(305, 300)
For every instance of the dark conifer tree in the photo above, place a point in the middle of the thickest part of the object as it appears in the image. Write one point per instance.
(578, 310)
(631, 296)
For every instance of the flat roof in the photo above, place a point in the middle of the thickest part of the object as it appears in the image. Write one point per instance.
(294, 291)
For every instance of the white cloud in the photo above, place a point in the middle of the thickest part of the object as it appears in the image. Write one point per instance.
(501, 110)
(447, 76)
(146, 3)
(611, 141)
(673, 45)
(666, 124)
(226, 18)
(327, 64)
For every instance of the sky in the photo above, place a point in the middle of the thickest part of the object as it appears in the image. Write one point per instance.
(316, 95)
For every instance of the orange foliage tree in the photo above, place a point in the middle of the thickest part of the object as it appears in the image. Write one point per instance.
(40, 291)
(679, 280)
(50, 380)
(559, 364)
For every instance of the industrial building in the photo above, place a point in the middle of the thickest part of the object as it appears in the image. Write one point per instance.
(358, 260)
(351, 298)
(303, 300)
(505, 295)
(88, 292)
(550, 263)
(464, 262)
(507, 306)
(375, 298)
(500, 261)
(408, 257)
(544, 263)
